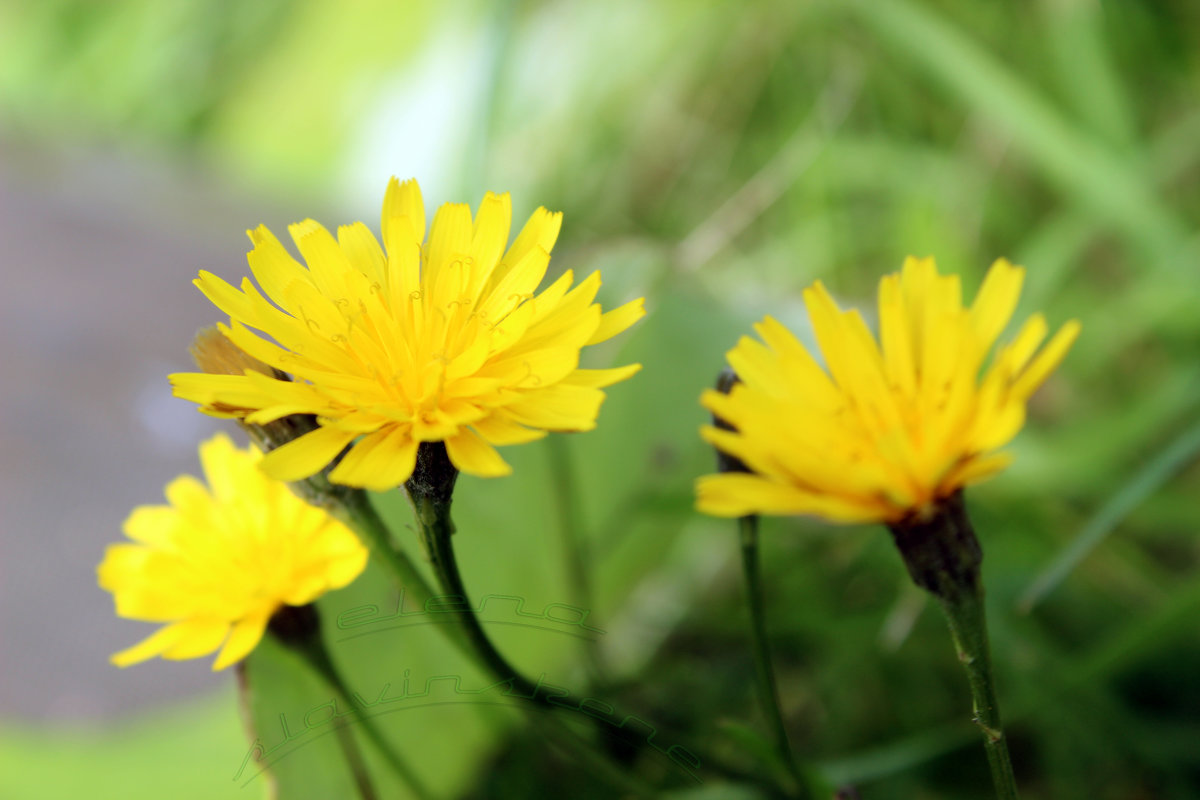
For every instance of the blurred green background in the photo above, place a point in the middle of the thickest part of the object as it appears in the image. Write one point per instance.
(717, 158)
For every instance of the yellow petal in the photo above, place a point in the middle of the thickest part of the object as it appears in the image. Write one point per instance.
(148, 648)
(498, 430)
(539, 368)
(1047, 360)
(197, 638)
(273, 266)
(541, 231)
(567, 327)
(511, 330)
(404, 273)
(740, 447)
(738, 494)
(472, 455)
(449, 239)
(243, 638)
(546, 302)
(517, 286)
(599, 378)
(618, 320)
(917, 279)
(381, 461)
(999, 428)
(190, 498)
(977, 469)
(996, 301)
(150, 524)
(224, 296)
(492, 223)
(755, 363)
(803, 373)
(402, 201)
(222, 469)
(306, 455)
(1018, 353)
(341, 570)
(560, 407)
(363, 251)
(895, 337)
(327, 263)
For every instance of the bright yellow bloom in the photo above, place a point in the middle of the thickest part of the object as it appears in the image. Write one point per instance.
(441, 341)
(884, 433)
(217, 562)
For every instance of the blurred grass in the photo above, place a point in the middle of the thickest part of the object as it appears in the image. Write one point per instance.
(720, 157)
(189, 751)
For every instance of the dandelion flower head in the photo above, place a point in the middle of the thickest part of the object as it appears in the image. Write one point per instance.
(218, 561)
(431, 338)
(886, 429)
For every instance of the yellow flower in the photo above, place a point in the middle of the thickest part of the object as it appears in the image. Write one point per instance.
(441, 341)
(216, 563)
(885, 433)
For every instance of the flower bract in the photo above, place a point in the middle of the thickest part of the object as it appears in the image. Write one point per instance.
(886, 428)
(438, 337)
(219, 560)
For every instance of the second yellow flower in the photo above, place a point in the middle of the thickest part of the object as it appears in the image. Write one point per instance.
(888, 428)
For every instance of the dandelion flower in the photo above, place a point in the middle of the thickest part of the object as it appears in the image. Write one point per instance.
(219, 561)
(430, 338)
(888, 430)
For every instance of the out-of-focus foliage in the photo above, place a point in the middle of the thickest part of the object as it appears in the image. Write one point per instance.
(720, 157)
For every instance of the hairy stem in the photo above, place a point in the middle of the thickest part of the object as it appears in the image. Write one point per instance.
(943, 556)
(968, 628)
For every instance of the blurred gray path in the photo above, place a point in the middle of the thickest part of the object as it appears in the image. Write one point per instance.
(97, 254)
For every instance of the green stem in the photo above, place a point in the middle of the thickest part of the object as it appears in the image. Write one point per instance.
(318, 658)
(433, 517)
(298, 628)
(768, 692)
(357, 511)
(436, 529)
(430, 491)
(359, 514)
(968, 628)
(943, 556)
(353, 756)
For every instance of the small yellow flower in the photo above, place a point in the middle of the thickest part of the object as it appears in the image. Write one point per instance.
(441, 341)
(217, 562)
(884, 433)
